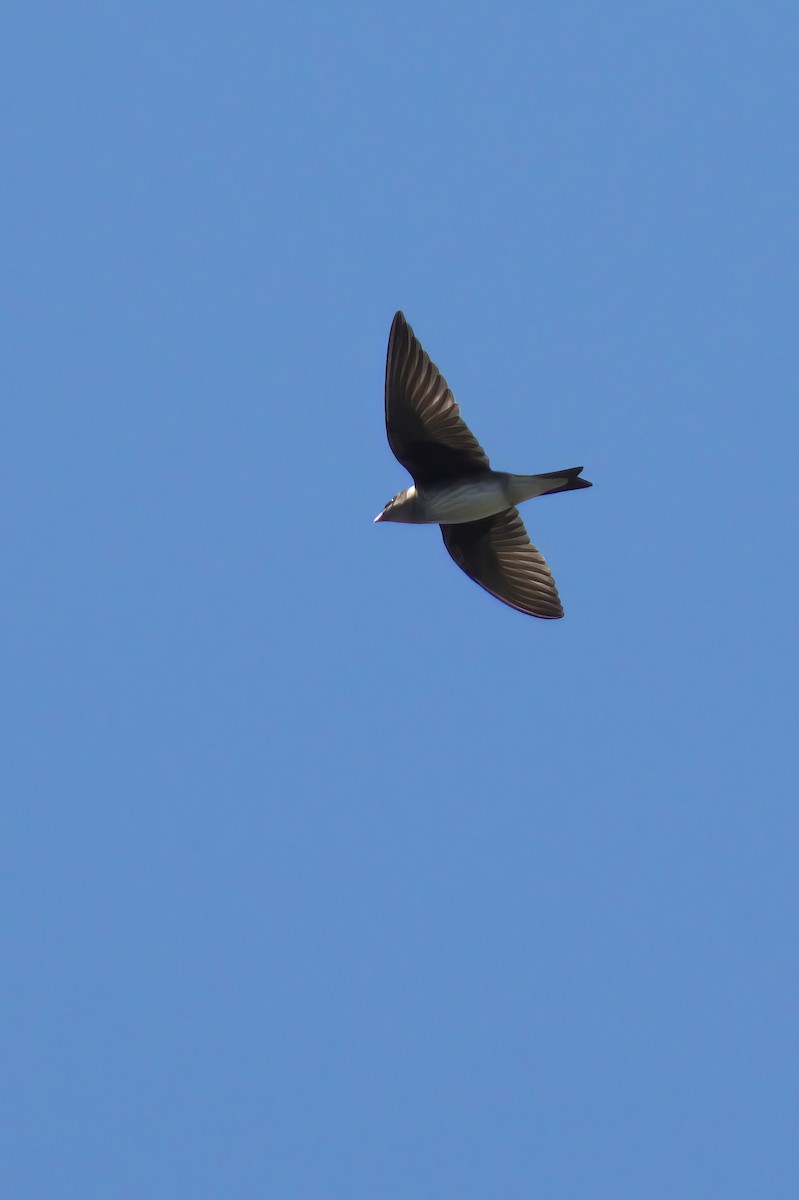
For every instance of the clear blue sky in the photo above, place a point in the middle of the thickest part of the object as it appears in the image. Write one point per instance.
(325, 874)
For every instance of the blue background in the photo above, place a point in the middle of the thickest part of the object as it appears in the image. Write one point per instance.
(325, 874)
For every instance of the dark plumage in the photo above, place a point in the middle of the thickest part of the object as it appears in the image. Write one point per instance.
(455, 486)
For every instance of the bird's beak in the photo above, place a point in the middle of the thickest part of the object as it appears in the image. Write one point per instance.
(379, 517)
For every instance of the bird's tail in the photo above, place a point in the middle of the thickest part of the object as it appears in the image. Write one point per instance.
(525, 487)
(564, 481)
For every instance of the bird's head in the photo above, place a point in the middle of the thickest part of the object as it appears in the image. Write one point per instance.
(401, 507)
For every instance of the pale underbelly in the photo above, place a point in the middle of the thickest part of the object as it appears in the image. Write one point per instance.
(457, 503)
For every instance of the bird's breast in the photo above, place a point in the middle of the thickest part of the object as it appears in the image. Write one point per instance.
(461, 500)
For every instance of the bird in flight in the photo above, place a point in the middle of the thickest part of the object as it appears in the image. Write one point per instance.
(454, 486)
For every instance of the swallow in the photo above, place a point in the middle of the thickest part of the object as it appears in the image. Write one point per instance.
(454, 486)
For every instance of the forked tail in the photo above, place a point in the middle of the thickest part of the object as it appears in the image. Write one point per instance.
(563, 481)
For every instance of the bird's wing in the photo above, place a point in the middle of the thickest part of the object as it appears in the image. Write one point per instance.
(496, 552)
(425, 429)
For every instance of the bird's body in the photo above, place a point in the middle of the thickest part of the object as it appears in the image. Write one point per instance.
(468, 498)
(455, 487)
